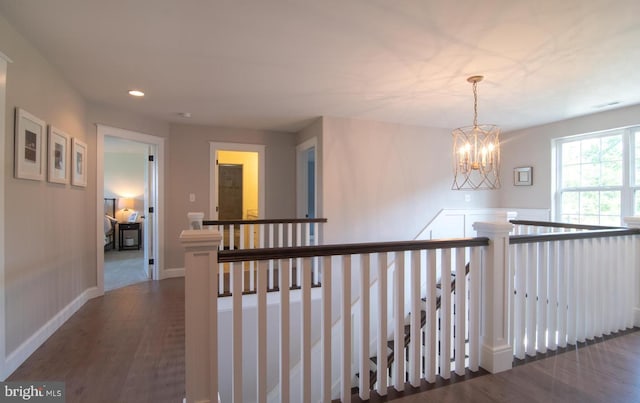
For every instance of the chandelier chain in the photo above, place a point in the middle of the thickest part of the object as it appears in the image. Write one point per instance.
(475, 104)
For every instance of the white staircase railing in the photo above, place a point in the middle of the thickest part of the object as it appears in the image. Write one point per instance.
(522, 278)
(571, 284)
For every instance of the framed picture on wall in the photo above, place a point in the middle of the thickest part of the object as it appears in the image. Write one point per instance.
(58, 171)
(523, 176)
(79, 163)
(29, 153)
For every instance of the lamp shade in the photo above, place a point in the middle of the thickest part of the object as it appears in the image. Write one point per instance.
(125, 203)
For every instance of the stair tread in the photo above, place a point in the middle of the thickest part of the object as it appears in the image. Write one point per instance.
(407, 332)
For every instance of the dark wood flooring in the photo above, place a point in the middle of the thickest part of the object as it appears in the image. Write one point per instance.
(128, 346)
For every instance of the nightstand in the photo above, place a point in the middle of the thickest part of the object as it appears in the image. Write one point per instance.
(124, 227)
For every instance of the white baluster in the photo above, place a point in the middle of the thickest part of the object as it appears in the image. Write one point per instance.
(445, 314)
(363, 384)
(629, 270)
(236, 365)
(381, 371)
(398, 320)
(326, 330)
(280, 235)
(271, 262)
(251, 264)
(474, 308)
(616, 272)
(221, 266)
(532, 293)
(552, 306)
(564, 262)
(298, 234)
(519, 300)
(432, 320)
(543, 267)
(460, 312)
(345, 308)
(294, 268)
(306, 328)
(416, 316)
(598, 287)
(283, 274)
(581, 268)
(261, 297)
(571, 292)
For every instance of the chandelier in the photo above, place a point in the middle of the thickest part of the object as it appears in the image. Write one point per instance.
(476, 151)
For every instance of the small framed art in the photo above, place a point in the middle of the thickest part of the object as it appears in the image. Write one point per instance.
(523, 176)
(29, 154)
(58, 171)
(79, 163)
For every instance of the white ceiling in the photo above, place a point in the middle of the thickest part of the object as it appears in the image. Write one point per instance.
(278, 64)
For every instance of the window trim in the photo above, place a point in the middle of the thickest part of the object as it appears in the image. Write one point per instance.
(627, 188)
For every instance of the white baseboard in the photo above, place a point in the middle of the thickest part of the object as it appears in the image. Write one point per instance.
(171, 273)
(20, 355)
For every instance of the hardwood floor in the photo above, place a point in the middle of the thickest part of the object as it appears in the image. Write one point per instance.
(128, 346)
(602, 371)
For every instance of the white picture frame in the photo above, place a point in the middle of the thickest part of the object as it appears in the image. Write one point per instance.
(29, 144)
(523, 176)
(133, 217)
(79, 163)
(58, 156)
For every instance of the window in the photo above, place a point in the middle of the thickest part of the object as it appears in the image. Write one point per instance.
(598, 177)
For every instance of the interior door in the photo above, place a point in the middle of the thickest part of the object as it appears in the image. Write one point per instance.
(230, 192)
(149, 212)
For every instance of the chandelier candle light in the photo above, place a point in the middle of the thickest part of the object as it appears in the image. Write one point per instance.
(476, 151)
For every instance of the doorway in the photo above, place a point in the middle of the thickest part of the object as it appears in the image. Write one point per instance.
(306, 178)
(126, 178)
(129, 173)
(306, 174)
(236, 181)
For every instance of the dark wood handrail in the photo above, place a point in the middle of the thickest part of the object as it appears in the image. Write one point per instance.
(265, 221)
(565, 236)
(243, 255)
(560, 225)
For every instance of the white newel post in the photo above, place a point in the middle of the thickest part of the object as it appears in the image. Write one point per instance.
(634, 222)
(201, 314)
(496, 352)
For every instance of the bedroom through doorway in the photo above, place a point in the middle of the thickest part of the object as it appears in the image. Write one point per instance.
(125, 180)
(129, 195)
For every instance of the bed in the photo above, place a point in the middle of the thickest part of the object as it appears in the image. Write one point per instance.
(109, 224)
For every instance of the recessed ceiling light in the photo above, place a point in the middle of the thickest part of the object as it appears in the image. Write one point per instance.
(612, 103)
(136, 93)
(185, 114)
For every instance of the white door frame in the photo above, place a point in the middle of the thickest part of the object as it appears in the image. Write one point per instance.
(4, 60)
(213, 173)
(156, 198)
(302, 176)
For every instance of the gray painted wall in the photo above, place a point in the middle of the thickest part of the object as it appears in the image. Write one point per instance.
(386, 181)
(50, 243)
(532, 147)
(188, 172)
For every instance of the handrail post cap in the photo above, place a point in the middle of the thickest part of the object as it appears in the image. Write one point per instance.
(493, 228)
(632, 222)
(200, 237)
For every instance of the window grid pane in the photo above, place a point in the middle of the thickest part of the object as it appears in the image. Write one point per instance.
(636, 141)
(592, 171)
(592, 162)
